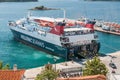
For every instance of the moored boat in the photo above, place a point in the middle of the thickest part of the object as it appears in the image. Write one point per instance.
(108, 27)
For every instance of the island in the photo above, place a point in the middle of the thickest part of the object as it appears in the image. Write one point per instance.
(43, 8)
(18, 0)
(101, 0)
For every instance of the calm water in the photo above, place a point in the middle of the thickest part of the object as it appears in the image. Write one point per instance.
(13, 52)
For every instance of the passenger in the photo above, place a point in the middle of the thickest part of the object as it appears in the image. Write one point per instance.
(28, 20)
(22, 24)
(34, 29)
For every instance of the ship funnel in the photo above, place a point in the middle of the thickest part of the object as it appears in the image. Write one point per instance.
(90, 24)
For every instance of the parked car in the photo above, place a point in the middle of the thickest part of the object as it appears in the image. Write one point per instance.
(112, 65)
(113, 71)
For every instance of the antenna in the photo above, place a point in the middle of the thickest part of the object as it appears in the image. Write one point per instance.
(29, 14)
(64, 13)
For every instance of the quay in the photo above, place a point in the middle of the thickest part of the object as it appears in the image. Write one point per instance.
(114, 58)
(30, 74)
(109, 32)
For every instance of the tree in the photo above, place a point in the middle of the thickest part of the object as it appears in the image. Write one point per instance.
(1, 64)
(6, 67)
(48, 73)
(94, 67)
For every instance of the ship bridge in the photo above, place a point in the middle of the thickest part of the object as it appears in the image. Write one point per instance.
(77, 31)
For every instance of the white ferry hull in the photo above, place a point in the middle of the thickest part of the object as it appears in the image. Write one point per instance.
(55, 49)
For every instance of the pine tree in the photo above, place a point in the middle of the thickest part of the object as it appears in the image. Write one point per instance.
(6, 67)
(48, 73)
(94, 67)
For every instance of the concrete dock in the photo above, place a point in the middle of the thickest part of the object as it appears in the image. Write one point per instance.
(109, 32)
(30, 74)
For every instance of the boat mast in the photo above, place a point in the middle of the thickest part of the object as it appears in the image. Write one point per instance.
(64, 13)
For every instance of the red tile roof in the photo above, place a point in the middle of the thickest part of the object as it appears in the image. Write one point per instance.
(94, 77)
(11, 74)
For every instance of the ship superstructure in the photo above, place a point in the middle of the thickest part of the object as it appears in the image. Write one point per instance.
(59, 36)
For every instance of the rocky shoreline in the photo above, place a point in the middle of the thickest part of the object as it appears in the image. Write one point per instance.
(43, 8)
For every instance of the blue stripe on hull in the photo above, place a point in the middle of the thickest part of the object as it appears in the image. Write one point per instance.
(40, 44)
(66, 53)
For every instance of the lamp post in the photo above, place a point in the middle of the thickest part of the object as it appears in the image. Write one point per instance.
(55, 63)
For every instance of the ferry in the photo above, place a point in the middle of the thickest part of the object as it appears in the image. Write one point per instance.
(62, 37)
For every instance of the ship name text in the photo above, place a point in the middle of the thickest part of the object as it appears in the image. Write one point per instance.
(34, 41)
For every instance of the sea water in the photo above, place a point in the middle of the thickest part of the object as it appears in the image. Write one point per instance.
(14, 52)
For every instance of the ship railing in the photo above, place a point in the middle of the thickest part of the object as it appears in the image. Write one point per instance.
(22, 27)
(82, 32)
(66, 44)
(64, 39)
(85, 42)
(81, 44)
(78, 44)
(73, 44)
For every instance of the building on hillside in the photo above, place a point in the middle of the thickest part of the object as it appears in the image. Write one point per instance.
(14, 74)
